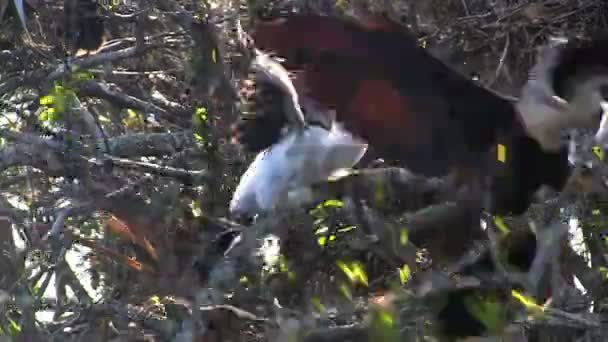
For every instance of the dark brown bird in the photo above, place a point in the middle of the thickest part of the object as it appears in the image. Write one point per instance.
(84, 26)
(415, 111)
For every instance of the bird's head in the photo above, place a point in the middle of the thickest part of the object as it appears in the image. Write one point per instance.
(567, 89)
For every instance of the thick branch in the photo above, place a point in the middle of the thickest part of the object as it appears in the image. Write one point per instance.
(49, 155)
(103, 91)
(44, 77)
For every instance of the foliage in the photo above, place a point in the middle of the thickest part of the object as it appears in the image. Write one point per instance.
(119, 221)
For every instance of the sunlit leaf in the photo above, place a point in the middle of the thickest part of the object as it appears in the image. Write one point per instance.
(199, 138)
(316, 303)
(333, 203)
(489, 311)
(322, 240)
(355, 272)
(383, 326)
(82, 76)
(104, 119)
(603, 271)
(386, 318)
(403, 237)
(132, 119)
(599, 152)
(346, 229)
(527, 302)
(404, 274)
(321, 230)
(132, 114)
(501, 151)
(502, 226)
(46, 100)
(13, 326)
(201, 113)
(195, 206)
(283, 265)
(155, 300)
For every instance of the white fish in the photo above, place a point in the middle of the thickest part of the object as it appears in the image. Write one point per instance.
(300, 158)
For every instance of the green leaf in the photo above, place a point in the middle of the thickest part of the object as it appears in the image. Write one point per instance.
(46, 100)
(322, 240)
(199, 138)
(502, 226)
(354, 271)
(403, 237)
(14, 328)
(487, 310)
(383, 326)
(404, 274)
(527, 302)
(333, 203)
(83, 76)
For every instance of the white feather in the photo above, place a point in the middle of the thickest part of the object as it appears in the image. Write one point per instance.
(297, 160)
(545, 114)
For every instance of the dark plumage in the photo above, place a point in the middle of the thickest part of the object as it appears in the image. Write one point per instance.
(415, 111)
(84, 26)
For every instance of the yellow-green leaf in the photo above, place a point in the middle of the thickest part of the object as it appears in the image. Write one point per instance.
(404, 274)
(502, 226)
(316, 303)
(403, 237)
(489, 311)
(501, 151)
(599, 152)
(333, 203)
(322, 240)
(527, 302)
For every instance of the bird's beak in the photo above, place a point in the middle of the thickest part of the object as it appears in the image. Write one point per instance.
(601, 135)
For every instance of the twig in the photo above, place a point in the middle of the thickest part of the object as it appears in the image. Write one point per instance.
(196, 176)
(501, 61)
(466, 7)
(103, 91)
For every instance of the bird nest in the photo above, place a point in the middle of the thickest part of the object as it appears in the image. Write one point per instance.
(494, 41)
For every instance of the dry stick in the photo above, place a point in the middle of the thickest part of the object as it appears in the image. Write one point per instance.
(501, 61)
(197, 176)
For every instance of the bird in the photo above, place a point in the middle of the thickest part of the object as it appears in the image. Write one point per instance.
(415, 111)
(84, 27)
(306, 150)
